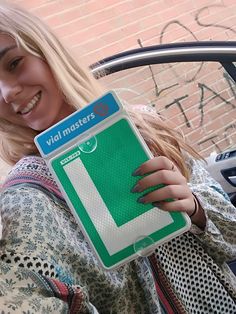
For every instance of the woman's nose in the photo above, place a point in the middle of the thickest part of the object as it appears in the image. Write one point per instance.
(10, 91)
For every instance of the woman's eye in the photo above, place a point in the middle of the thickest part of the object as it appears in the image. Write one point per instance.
(14, 63)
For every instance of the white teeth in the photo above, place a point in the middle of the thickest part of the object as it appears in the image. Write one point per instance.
(31, 104)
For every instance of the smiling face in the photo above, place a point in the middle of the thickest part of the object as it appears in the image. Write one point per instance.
(29, 95)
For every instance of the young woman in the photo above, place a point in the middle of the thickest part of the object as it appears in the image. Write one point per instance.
(46, 265)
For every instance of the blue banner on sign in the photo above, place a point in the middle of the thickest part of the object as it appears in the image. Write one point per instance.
(77, 123)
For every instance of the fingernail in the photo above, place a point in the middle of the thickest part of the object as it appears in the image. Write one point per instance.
(136, 188)
(141, 200)
(137, 172)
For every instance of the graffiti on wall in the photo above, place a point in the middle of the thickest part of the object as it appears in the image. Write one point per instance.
(206, 93)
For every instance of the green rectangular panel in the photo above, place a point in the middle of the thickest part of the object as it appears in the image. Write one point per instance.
(96, 179)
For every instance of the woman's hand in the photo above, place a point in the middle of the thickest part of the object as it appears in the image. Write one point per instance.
(161, 170)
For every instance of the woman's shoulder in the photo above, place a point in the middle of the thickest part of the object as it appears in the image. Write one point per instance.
(27, 162)
(27, 168)
(31, 170)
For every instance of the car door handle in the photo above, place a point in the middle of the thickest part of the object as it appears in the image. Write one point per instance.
(232, 179)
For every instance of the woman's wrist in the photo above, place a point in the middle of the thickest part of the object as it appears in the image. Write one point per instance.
(198, 216)
(196, 207)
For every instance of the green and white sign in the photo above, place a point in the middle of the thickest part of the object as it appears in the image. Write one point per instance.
(95, 177)
(92, 154)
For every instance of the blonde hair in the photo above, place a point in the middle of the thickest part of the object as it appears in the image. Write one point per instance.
(77, 84)
(79, 88)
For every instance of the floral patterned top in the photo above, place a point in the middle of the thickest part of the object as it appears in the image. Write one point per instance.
(46, 265)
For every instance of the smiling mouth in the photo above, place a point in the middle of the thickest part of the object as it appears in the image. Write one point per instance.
(32, 104)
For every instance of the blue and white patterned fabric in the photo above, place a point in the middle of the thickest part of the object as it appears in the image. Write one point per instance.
(42, 240)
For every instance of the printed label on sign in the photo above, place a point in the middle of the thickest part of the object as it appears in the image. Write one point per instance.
(77, 124)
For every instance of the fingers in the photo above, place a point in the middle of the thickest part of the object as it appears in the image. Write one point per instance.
(167, 177)
(185, 205)
(162, 171)
(171, 189)
(175, 192)
(155, 164)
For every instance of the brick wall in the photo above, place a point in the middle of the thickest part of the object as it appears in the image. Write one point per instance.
(197, 98)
